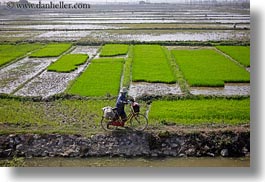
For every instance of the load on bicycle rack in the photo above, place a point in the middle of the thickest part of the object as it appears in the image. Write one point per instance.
(111, 119)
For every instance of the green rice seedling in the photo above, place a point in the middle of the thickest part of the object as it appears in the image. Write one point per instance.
(239, 53)
(68, 63)
(150, 64)
(51, 50)
(9, 53)
(101, 78)
(206, 67)
(5, 46)
(109, 50)
(204, 111)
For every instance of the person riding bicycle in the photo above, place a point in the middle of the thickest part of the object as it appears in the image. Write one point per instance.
(120, 103)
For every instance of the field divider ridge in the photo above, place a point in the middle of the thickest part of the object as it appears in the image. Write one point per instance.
(230, 58)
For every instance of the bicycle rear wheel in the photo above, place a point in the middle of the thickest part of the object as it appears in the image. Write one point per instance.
(104, 124)
(139, 122)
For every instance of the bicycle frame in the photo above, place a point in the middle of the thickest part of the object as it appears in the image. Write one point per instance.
(129, 117)
(118, 121)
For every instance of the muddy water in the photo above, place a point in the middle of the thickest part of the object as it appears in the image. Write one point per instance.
(143, 88)
(176, 36)
(228, 89)
(62, 35)
(14, 75)
(156, 21)
(90, 50)
(59, 27)
(138, 162)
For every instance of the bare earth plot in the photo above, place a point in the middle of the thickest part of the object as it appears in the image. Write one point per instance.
(138, 89)
(15, 75)
(49, 83)
(228, 89)
(90, 50)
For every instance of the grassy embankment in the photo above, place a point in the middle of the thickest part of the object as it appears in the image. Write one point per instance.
(83, 116)
(60, 116)
(127, 69)
(206, 67)
(68, 63)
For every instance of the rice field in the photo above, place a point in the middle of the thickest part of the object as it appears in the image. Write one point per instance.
(150, 64)
(44, 55)
(206, 67)
(239, 53)
(51, 50)
(101, 78)
(110, 50)
(68, 63)
(9, 53)
(203, 111)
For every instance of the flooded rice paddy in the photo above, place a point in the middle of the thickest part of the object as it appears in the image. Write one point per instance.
(92, 25)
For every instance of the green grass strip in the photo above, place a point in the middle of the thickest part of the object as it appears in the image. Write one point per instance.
(60, 116)
(205, 111)
(150, 64)
(128, 69)
(206, 67)
(238, 53)
(51, 50)
(9, 53)
(114, 50)
(101, 78)
(68, 63)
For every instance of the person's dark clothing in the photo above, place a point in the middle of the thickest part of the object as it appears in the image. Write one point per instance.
(120, 103)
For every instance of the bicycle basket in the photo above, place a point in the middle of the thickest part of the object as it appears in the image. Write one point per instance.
(136, 107)
(108, 112)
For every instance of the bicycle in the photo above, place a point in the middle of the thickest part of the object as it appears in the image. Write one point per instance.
(137, 121)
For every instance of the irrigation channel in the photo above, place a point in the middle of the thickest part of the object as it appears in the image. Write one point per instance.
(139, 162)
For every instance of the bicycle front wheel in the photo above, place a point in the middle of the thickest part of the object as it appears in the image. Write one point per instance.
(139, 122)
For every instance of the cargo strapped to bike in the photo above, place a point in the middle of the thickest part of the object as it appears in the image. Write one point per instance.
(108, 113)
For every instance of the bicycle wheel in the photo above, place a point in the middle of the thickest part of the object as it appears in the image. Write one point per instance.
(104, 124)
(139, 122)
